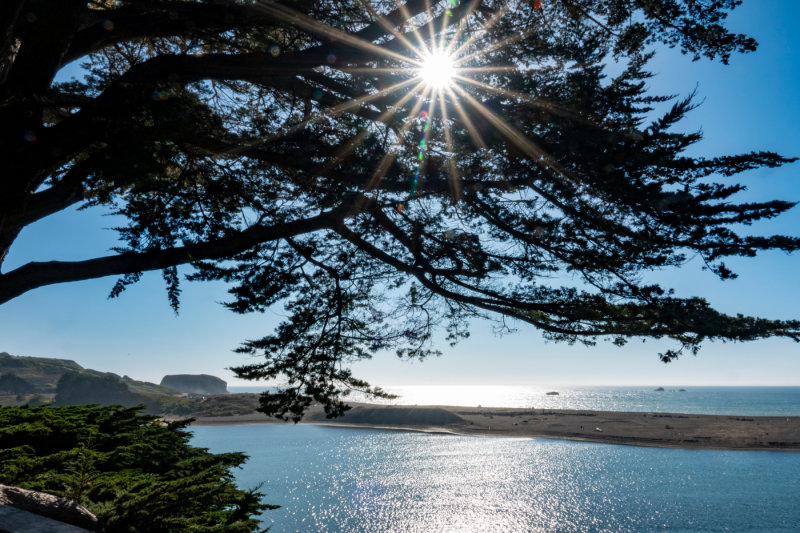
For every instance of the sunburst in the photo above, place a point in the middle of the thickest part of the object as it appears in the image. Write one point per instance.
(438, 67)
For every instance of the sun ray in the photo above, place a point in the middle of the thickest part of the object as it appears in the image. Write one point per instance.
(489, 23)
(428, 41)
(388, 26)
(528, 99)
(455, 182)
(462, 23)
(377, 70)
(304, 21)
(422, 45)
(541, 157)
(473, 131)
(470, 70)
(497, 45)
(424, 144)
(391, 155)
(443, 29)
(359, 138)
(331, 112)
(431, 24)
(350, 104)
(511, 133)
(447, 20)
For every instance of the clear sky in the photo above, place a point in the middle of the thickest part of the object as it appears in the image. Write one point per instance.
(752, 104)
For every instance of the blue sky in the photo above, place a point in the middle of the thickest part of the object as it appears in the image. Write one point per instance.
(752, 104)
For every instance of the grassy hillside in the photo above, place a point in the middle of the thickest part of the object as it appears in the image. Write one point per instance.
(42, 372)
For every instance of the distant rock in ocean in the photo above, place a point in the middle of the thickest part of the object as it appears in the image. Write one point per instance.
(681, 390)
(554, 393)
(195, 384)
(660, 389)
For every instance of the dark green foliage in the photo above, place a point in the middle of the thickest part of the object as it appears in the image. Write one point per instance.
(134, 472)
(13, 384)
(227, 136)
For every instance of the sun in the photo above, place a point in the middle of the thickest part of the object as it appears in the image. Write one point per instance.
(438, 70)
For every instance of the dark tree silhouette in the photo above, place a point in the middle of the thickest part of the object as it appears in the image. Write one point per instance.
(292, 149)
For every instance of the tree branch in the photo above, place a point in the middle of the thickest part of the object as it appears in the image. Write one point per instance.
(38, 274)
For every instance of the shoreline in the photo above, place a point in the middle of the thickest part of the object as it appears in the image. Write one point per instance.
(662, 430)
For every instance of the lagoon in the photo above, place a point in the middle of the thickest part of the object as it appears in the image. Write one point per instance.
(356, 480)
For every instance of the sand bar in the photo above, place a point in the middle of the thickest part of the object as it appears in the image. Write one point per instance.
(667, 430)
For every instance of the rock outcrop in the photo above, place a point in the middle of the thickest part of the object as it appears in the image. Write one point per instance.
(42, 504)
(195, 384)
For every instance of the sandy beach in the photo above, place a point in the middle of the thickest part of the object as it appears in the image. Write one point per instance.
(666, 430)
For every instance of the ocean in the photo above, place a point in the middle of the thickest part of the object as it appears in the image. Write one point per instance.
(355, 480)
(752, 401)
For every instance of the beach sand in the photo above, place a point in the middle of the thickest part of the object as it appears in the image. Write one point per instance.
(666, 430)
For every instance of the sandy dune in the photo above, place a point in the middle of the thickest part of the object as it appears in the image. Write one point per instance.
(639, 429)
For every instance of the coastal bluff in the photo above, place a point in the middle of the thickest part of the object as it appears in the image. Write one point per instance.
(195, 384)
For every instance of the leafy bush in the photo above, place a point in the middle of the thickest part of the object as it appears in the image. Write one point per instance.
(134, 472)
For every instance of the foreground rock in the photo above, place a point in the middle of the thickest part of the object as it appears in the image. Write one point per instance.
(41, 504)
(195, 384)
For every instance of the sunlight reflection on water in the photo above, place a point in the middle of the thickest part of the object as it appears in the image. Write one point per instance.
(759, 401)
(335, 479)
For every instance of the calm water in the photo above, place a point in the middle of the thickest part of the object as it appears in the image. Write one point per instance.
(754, 401)
(336, 479)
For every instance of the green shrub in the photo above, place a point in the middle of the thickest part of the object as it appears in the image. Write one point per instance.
(134, 472)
